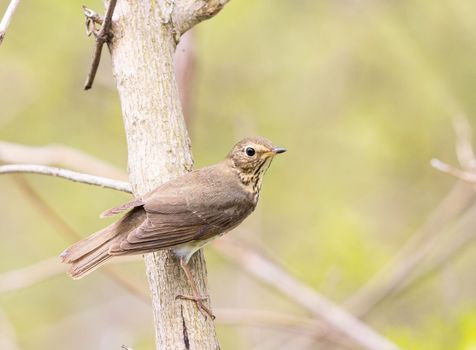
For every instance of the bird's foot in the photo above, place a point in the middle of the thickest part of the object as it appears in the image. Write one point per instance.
(198, 300)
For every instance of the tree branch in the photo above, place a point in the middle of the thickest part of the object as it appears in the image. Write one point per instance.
(185, 63)
(58, 156)
(465, 176)
(271, 319)
(7, 17)
(463, 147)
(335, 317)
(67, 174)
(101, 37)
(411, 254)
(158, 150)
(8, 336)
(460, 238)
(30, 275)
(187, 13)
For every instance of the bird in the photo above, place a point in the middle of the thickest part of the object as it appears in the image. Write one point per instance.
(183, 214)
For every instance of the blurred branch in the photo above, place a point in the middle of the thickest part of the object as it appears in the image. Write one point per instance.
(7, 17)
(464, 148)
(458, 242)
(185, 69)
(406, 260)
(102, 36)
(58, 155)
(65, 229)
(41, 271)
(30, 275)
(465, 176)
(271, 319)
(395, 277)
(464, 152)
(38, 272)
(335, 317)
(67, 174)
(8, 337)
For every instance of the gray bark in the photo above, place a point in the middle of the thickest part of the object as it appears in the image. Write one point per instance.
(142, 50)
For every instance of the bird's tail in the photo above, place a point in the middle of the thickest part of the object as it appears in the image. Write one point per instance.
(88, 254)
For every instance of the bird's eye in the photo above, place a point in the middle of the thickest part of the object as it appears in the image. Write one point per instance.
(250, 151)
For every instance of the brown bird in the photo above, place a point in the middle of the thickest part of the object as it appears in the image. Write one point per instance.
(183, 214)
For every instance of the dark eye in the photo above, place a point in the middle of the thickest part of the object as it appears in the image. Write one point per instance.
(250, 151)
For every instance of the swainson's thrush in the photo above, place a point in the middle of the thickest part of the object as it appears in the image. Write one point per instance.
(183, 214)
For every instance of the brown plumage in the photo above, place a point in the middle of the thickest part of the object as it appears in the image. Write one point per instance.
(183, 214)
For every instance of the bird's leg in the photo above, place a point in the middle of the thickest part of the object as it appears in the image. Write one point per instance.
(197, 298)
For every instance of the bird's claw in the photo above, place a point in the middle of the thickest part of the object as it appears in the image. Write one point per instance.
(198, 300)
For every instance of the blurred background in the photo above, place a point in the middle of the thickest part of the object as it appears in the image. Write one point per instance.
(363, 94)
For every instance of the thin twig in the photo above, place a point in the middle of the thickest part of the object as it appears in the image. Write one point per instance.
(67, 174)
(58, 156)
(7, 17)
(335, 317)
(92, 18)
(101, 37)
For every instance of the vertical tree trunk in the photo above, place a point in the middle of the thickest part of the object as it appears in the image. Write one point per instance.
(142, 53)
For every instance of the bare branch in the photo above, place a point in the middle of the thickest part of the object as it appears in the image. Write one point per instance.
(398, 270)
(58, 155)
(102, 37)
(335, 317)
(271, 319)
(8, 336)
(30, 275)
(7, 17)
(67, 174)
(460, 238)
(465, 176)
(92, 18)
(185, 69)
(41, 271)
(187, 13)
(464, 148)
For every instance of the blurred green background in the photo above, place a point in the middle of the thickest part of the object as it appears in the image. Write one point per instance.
(361, 93)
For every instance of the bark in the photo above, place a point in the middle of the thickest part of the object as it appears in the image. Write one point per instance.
(142, 50)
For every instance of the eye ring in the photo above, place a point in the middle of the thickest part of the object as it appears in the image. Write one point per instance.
(250, 151)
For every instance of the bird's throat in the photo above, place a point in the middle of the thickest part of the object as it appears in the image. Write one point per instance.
(252, 180)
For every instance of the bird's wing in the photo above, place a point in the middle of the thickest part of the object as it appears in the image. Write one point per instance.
(136, 202)
(184, 212)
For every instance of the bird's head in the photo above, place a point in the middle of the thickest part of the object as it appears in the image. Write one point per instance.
(253, 155)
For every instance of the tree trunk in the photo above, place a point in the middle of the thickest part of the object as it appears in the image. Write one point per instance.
(142, 50)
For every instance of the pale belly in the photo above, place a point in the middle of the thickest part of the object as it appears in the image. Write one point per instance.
(187, 250)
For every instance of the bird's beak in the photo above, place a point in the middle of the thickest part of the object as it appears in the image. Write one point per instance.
(278, 150)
